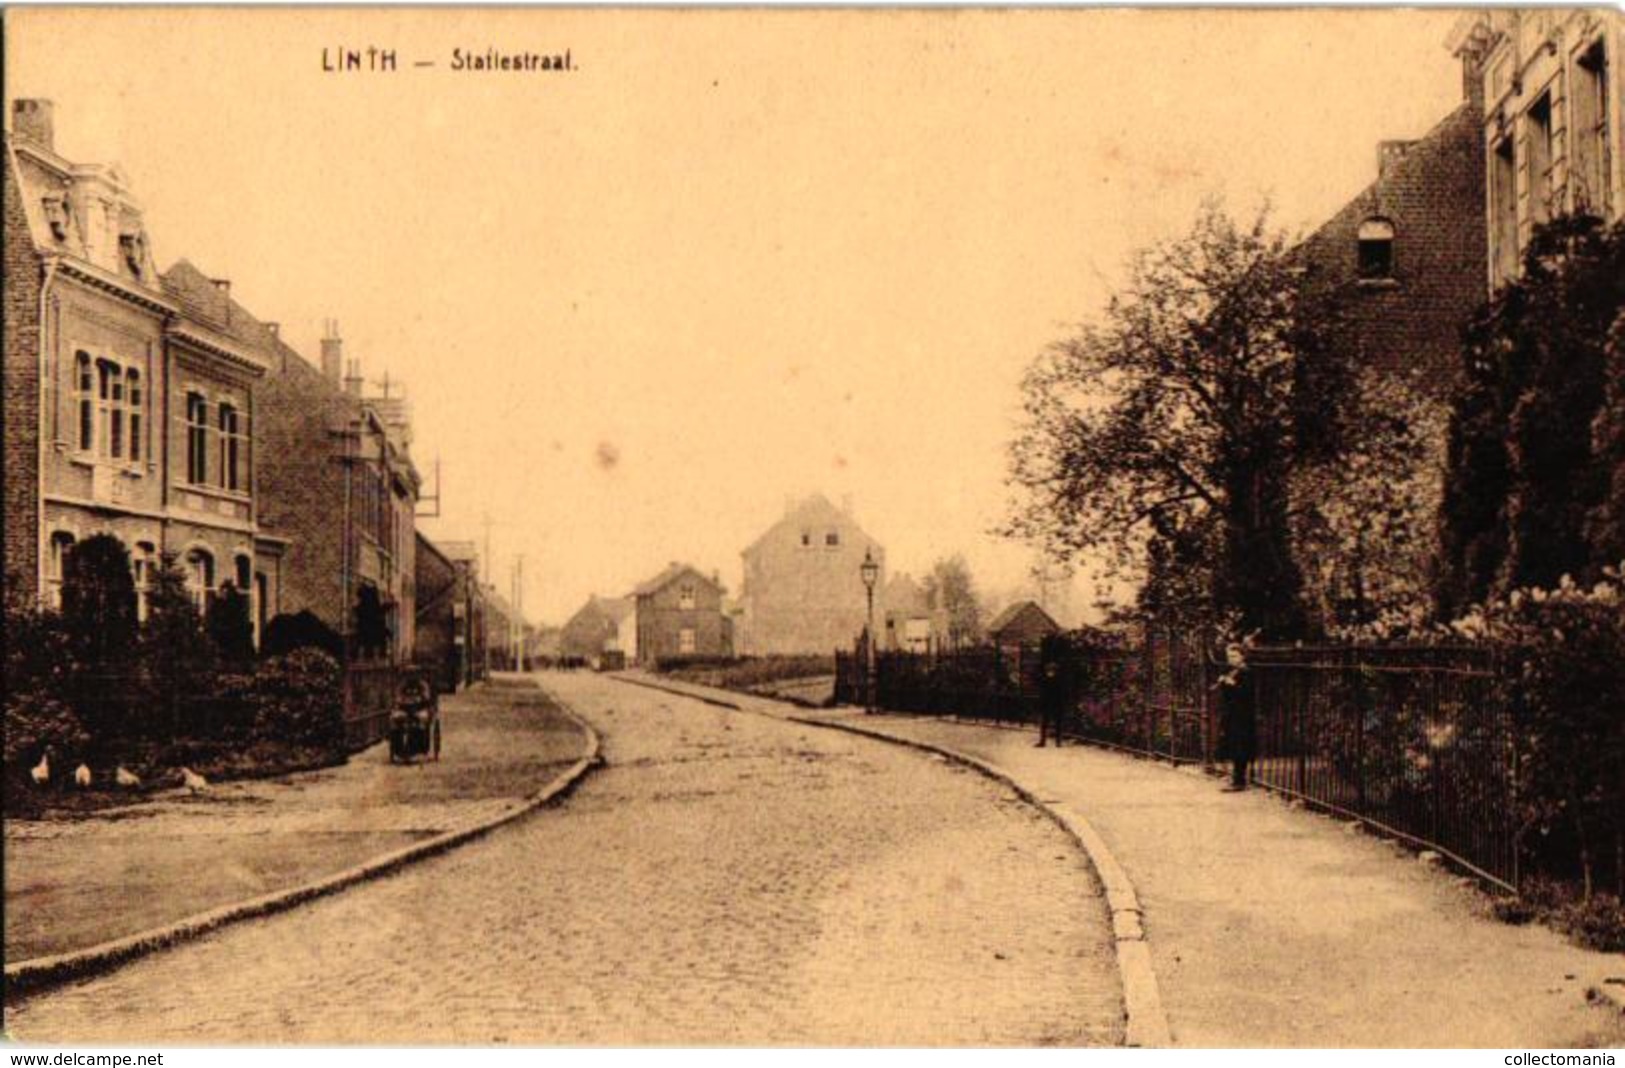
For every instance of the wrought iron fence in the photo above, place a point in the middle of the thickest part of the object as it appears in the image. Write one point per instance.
(1417, 741)
(1414, 740)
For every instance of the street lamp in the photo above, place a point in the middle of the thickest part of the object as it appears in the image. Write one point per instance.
(870, 571)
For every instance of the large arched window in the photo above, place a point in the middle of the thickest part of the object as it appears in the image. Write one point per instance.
(1376, 248)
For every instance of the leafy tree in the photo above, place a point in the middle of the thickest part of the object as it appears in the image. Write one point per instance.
(1175, 422)
(175, 656)
(98, 602)
(1605, 525)
(1365, 526)
(951, 591)
(1533, 490)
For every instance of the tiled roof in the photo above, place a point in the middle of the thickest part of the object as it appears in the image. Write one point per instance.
(667, 577)
(1008, 616)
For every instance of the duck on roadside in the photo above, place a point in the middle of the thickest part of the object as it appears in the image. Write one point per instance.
(41, 772)
(193, 781)
(81, 776)
(125, 777)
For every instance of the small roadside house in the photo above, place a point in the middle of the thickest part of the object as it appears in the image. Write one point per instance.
(679, 614)
(1022, 623)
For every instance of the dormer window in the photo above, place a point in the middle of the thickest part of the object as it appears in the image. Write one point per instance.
(832, 539)
(134, 249)
(56, 216)
(685, 598)
(1376, 249)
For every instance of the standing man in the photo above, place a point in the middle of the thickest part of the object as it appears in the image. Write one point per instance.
(1054, 688)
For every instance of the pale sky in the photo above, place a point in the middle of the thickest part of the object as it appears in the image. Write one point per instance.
(746, 255)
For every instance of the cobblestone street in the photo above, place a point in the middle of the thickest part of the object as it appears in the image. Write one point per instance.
(725, 879)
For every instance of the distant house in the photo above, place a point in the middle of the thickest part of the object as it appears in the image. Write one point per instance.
(803, 592)
(679, 613)
(903, 617)
(598, 628)
(1023, 623)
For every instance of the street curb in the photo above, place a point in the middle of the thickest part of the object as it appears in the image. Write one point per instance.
(32, 976)
(1145, 1019)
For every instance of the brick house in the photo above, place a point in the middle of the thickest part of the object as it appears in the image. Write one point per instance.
(339, 487)
(1406, 255)
(802, 591)
(1552, 130)
(336, 487)
(679, 614)
(1403, 263)
(448, 636)
(504, 630)
(128, 410)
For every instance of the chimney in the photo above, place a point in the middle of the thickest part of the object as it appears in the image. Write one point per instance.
(275, 329)
(1390, 153)
(31, 121)
(222, 286)
(352, 379)
(332, 353)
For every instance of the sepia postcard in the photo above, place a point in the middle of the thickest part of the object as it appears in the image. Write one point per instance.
(857, 527)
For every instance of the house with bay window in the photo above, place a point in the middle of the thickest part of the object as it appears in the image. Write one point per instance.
(128, 408)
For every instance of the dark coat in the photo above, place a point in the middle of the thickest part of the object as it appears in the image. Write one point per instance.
(1238, 723)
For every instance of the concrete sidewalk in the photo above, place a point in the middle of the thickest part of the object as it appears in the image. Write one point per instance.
(74, 882)
(1273, 926)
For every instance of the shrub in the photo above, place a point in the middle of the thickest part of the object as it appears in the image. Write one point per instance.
(228, 625)
(1597, 923)
(1564, 657)
(299, 700)
(304, 630)
(38, 667)
(36, 722)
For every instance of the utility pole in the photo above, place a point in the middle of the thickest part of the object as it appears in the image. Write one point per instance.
(487, 568)
(518, 624)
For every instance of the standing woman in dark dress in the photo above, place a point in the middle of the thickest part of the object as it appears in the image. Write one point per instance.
(1238, 721)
